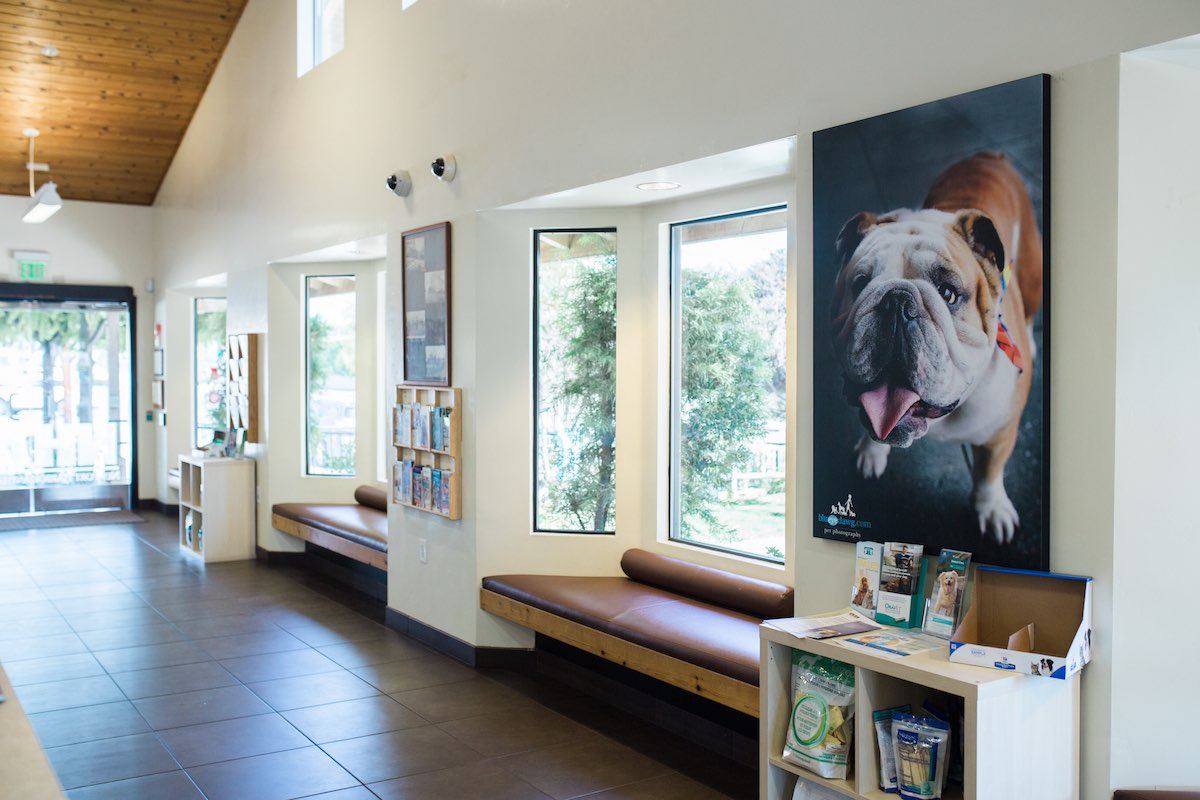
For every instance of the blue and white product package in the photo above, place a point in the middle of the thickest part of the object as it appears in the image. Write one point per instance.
(922, 751)
(887, 753)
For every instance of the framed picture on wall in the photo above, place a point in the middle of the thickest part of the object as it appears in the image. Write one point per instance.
(931, 326)
(426, 302)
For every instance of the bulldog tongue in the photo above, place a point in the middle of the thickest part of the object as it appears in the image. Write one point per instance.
(886, 405)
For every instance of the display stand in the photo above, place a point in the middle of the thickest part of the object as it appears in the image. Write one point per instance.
(216, 496)
(241, 371)
(1021, 733)
(441, 455)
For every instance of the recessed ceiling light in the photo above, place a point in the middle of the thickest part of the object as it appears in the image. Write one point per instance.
(50, 51)
(657, 186)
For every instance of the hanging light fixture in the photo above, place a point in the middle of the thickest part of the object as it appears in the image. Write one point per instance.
(46, 201)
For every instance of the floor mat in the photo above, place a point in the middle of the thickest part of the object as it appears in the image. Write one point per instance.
(69, 520)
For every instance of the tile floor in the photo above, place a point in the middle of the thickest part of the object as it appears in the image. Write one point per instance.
(146, 675)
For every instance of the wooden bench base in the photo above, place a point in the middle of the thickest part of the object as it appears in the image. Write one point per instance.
(719, 688)
(354, 550)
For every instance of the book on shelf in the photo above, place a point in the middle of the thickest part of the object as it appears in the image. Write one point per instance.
(443, 497)
(441, 423)
(420, 430)
(402, 480)
(435, 489)
(422, 486)
(402, 423)
(436, 440)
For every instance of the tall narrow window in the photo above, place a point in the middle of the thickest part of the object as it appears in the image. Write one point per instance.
(575, 383)
(208, 337)
(728, 401)
(320, 31)
(330, 391)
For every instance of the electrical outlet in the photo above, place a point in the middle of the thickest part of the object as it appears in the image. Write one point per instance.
(423, 550)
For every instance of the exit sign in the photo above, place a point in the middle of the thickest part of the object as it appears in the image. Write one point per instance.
(31, 264)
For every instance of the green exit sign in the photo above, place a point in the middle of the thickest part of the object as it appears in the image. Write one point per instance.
(31, 270)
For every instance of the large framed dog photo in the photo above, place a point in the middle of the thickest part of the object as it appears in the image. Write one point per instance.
(931, 326)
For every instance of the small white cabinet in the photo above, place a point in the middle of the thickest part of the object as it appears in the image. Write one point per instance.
(1020, 733)
(216, 508)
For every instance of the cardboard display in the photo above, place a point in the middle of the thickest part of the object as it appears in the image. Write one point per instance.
(1038, 623)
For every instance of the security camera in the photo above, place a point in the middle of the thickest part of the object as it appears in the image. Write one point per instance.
(400, 182)
(443, 168)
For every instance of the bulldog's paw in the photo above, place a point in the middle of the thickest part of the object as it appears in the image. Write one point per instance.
(997, 516)
(872, 457)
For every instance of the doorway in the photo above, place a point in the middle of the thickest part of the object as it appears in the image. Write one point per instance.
(67, 389)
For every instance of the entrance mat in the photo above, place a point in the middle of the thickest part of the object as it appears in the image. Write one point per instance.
(69, 520)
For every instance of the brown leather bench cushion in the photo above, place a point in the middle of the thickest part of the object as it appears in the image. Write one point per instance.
(353, 521)
(371, 497)
(694, 631)
(762, 599)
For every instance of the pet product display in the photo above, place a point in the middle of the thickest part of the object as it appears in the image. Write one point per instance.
(901, 585)
(865, 589)
(922, 750)
(887, 753)
(821, 725)
(944, 609)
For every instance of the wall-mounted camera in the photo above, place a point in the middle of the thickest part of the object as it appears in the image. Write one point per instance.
(443, 168)
(400, 182)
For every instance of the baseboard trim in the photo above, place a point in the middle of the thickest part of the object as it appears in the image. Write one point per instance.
(472, 656)
(154, 504)
(283, 558)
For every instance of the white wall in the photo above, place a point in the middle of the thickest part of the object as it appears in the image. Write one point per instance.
(1156, 533)
(540, 96)
(104, 244)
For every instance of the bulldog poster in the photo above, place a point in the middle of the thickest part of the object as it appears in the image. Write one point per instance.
(931, 326)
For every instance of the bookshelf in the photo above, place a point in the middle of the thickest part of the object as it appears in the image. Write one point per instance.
(427, 435)
(216, 508)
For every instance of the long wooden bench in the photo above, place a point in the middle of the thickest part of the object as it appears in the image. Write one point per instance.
(356, 530)
(687, 625)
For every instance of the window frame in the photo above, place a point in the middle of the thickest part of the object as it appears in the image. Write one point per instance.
(675, 379)
(536, 384)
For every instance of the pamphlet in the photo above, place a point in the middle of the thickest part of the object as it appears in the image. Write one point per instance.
(901, 585)
(865, 589)
(823, 626)
(944, 609)
(893, 643)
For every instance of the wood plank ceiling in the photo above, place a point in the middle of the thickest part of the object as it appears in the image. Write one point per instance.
(113, 105)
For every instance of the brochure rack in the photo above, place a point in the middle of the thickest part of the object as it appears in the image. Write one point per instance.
(438, 456)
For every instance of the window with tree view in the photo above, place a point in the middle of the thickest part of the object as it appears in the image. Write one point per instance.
(209, 337)
(330, 393)
(728, 369)
(575, 384)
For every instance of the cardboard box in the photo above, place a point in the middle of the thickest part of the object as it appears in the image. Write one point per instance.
(1038, 623)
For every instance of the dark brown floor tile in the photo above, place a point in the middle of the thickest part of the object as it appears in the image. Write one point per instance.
(200, 609)
(398, 753)
(666, 787)
(111, 587)
(28, 608)
(355, 793)
(276, 776)
(580, 768)
(130, 636)
(225, 626)
(286, 694)
(194, 708)
(504, 732)
(98, 620)
(91, 575)
(87, 724)
(151, 656)
(467, 698)
(30, 628)
(173, 680)
(74, 693)
(251, 644)
(163, 786)
(389, 647)
(231, 738)
(109, 760)
(55, 668)
(179, 581)
(336, 631)
(480, 781)
(72, 606)
(414, 673)
(299, 616)
(353, 718)
(270, 666)
(61, 644)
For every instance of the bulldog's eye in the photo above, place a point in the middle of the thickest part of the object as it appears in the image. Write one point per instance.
(859, 283)
(949, 294)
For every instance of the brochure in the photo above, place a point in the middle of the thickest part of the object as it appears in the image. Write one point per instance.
(893, 643)
(865, 590)
(823, 626)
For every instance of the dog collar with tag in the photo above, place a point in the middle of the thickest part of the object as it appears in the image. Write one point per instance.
(1004, 339)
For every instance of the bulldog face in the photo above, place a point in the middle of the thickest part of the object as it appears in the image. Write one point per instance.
(914, 315)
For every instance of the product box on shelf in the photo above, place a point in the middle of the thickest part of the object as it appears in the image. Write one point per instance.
(1038, 623)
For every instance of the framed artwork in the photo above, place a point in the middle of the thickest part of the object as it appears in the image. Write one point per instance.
(158, 361)
(157, 393)
(426, 290)
(931, 326)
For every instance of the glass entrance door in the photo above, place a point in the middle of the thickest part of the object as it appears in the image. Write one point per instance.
(66, 406)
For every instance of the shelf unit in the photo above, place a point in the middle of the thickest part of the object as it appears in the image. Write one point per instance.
(216, 495)
(1020, 733)
(241, 383)
(447, 460)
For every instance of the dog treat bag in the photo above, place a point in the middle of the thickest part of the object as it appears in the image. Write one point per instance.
(922, 753)
(821, 724)
(887, 753)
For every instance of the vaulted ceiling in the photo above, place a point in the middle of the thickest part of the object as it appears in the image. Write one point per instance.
(114, 102)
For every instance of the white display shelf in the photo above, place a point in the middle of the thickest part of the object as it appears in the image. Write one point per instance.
(217, 494)
(1020, 733)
